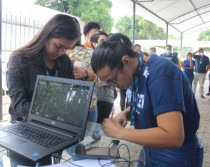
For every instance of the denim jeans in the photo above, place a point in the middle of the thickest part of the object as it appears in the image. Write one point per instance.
(190, 155)
(92, 117)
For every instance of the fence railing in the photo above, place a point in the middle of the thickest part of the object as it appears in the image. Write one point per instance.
(16, 31)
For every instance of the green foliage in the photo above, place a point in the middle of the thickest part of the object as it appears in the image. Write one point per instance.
(87, 10)
(171, 37)
(185, 51)
(144, 29)
(124, 26)
(204, 35)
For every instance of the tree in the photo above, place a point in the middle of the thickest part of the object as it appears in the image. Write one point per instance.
(124, 26)
(204, 35)
(144, 29)
(87, 10)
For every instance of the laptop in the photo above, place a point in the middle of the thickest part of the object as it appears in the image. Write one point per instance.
(59, 108)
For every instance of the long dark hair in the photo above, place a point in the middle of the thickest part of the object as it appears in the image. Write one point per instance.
(110, 52)
(59, 26)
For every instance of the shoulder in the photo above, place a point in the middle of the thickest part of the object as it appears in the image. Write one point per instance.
(161, 66)
(196, 56)
(15, 61)
(80, 52)
(163, 54)
(207, 58)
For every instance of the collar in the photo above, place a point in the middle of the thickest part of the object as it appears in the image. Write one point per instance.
(88, 46)
(42, 63)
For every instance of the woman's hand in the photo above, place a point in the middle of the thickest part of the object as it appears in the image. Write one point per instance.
(78, 72)
(121, 118)
(112, 128)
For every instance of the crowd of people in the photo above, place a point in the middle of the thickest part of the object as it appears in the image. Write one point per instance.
(160, 100)
(195, 67)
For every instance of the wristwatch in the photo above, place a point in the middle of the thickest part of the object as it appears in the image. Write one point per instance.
(86, 76)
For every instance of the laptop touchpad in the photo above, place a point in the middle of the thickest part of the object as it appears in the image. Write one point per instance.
(14, 141)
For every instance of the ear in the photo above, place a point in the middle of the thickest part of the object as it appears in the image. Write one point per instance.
(87, 36)
(95, 44)
(126, 60)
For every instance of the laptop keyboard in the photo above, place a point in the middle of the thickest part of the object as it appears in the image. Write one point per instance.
(36, 135)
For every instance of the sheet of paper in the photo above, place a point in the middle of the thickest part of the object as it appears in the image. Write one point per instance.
(84, 163)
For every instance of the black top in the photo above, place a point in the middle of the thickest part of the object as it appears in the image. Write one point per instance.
(201, 64)
(21, 78)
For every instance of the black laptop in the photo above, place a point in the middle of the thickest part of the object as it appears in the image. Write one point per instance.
(57, 118)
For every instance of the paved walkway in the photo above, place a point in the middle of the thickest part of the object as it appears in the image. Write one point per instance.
(203, 133)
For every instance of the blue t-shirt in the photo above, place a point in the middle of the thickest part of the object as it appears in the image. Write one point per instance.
(201, 63)
(188, 72)
(163, 87)
(170, 57)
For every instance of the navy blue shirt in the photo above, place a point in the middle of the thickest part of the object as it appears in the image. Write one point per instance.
(163, 87)
(201, 63)
(188, 72)
(170, 57)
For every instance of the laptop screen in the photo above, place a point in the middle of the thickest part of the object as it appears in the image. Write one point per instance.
(62, 102)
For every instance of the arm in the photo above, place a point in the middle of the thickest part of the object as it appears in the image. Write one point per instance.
(191, 64)
(208, 68)
(187, 68)
(80, 72)
(168, 134)
(193, 54)
(20, 98)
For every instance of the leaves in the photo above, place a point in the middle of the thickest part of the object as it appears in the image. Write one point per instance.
(87, 10)
(204, 35)
(143, 29)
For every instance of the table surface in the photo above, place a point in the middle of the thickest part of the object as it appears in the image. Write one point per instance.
(94, 137)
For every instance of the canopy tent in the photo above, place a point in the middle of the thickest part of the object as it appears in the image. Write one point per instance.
(186, 16)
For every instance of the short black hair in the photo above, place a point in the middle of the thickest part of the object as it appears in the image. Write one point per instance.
(89, 26)
(136, 45)
(168, 46)
(94, 38)
(109, 53)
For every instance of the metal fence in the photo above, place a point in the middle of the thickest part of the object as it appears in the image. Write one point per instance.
(16, 31)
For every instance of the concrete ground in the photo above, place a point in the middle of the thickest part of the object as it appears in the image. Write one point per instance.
(203, 132)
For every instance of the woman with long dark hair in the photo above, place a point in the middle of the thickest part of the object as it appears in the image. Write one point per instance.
(43, 55)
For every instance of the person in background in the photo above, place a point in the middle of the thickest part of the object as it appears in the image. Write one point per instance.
(188, 67)
(43, 55)
(201, 68)
(163, 108)
(208, 94)
(82, 70)
(89, 29)
(104, 92)
(81, 57)
(137, 48)
(168, 54)
(152, 51)
(179, 61)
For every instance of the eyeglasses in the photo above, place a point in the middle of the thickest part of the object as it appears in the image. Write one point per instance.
(113, 82)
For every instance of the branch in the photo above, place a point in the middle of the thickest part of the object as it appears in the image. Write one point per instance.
(63, 6)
